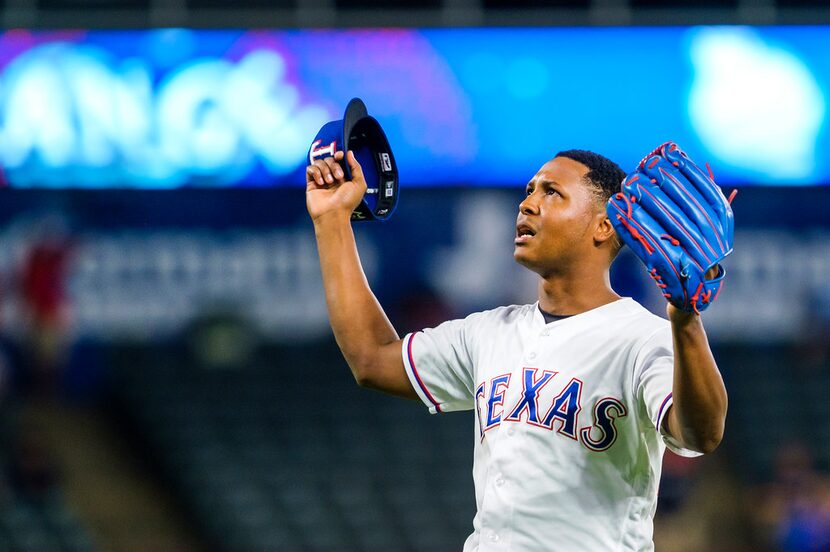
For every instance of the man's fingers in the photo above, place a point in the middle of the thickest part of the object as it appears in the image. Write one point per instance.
(335, 168)
(325, 169)
(313, 173)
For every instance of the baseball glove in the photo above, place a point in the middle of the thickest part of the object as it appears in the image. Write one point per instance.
(678, 222)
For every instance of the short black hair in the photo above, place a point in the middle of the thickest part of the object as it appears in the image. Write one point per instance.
(603, 175)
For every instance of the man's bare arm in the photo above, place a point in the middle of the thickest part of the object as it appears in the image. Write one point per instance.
(697, 416)
(363, 332)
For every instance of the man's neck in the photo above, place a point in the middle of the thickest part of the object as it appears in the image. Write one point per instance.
(567, 294)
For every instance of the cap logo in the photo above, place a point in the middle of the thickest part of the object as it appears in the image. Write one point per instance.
(321, 152)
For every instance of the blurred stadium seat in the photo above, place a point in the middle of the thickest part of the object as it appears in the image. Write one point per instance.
(290, 455)
(196, 5)
(776, 400)
(784, 4)
(683, 4)
(536, 4)
(30, 526)
(93, 5)
(380, 4)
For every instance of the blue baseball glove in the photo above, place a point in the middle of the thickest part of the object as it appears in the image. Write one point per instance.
(678, 222)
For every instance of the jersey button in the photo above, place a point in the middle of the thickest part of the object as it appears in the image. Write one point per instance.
(494, 537)
(499, 481)
(545, 333)
(511, 430)
(531, 355)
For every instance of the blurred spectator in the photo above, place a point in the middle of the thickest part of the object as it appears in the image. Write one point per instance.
(698, 507)
(676, 482)
(794, 510)
(33, 471)
(6, 421)
(44, 302)
(421, 307)
(813, 351)
(221, 340)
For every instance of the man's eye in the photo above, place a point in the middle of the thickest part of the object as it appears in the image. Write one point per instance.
(528, 191)
(551, 191)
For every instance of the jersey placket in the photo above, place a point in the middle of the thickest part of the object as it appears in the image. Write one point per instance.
(506, 455)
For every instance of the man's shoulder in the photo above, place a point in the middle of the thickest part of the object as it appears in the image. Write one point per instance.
(502, 314)
(643, 328)
(638, 312)
(629, 321)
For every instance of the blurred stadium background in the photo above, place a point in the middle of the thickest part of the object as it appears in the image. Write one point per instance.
(168, 380)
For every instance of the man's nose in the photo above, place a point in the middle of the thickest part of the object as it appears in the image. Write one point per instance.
(528, 205)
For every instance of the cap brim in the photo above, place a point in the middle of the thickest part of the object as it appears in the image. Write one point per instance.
(355, 111)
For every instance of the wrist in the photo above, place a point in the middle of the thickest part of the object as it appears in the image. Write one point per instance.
(331, 218)
(680, 317)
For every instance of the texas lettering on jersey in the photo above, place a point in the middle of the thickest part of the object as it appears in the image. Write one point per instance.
(561, 412)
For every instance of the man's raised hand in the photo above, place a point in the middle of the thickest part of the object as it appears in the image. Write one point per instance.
(327, 191)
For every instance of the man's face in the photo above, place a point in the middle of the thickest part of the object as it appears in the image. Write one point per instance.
(557, 217)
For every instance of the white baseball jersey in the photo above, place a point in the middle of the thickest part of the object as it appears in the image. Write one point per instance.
(568, 446)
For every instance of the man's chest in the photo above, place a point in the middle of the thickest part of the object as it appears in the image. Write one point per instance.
(555, 386)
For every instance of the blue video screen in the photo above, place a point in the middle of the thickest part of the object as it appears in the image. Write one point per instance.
(461, 107)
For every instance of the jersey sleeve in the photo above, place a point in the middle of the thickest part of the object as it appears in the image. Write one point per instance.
(654, 376)
(439, 365)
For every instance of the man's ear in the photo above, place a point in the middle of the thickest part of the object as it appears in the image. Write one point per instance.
(604, 230)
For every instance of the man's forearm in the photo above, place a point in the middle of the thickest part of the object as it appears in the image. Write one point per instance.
(698, 414)
(360, 326)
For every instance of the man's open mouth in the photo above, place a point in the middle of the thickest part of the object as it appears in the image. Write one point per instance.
(524, 233)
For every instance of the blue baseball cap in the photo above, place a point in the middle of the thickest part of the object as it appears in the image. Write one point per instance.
(362, 134)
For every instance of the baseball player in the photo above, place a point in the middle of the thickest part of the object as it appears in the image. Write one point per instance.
(576, 396)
